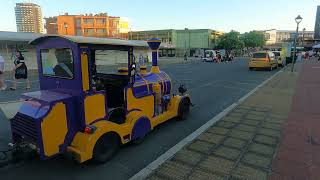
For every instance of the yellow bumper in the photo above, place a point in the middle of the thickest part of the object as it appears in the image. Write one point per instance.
(259, 64)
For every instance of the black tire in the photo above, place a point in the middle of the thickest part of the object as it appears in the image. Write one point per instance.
(184, 108)
(250, 68)
(271, 68)
(105, 148)
(138, 141)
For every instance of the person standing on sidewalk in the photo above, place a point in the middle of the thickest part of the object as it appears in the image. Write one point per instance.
(20, 71)
(2, 83)
(185, 56)
(299, 57)
(306, 55)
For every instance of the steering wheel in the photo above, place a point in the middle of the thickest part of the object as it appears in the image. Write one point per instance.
(97, 83)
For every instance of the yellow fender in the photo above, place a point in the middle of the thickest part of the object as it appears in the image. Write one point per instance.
(173, 105)
(83, 144)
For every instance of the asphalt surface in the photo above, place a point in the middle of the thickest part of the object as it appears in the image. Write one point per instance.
(212, 87)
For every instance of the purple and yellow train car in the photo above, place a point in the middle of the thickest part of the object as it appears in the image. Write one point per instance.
(87, 113)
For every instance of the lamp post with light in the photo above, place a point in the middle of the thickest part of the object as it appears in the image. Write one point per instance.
(298, 21)
(65, 25)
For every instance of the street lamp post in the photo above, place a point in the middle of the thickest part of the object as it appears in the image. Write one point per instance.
(303, 32)
(298, 21)
(185, 40)
(66, 27)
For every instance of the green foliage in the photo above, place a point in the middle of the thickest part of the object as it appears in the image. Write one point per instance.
(230, 41)
(253, 39)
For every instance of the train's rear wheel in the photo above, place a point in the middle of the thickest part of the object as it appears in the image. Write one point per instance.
(105, 148)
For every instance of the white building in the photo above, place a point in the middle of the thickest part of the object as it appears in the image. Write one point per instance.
(274, 36)
(288, 35)
(271, 36)
(28, 17)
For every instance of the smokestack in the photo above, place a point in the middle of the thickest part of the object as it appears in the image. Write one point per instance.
(154, 44)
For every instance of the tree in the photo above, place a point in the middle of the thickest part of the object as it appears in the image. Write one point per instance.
(230, 41)
(253, 39)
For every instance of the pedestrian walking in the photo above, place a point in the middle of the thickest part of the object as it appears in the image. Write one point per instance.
(20, 71)
(185, 56)
(2, 83)
(231, 56)
(306, 55)
(299, 57)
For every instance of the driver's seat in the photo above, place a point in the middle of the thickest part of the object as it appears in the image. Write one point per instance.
(117, 115)
(114, 86)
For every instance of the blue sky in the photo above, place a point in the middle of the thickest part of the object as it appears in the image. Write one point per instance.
(224, 15)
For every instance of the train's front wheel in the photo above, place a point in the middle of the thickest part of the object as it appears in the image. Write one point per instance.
(105, 148)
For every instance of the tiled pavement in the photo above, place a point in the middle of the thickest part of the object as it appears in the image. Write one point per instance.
(243, 144)
(298, 156)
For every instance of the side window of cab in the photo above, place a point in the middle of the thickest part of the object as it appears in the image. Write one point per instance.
(57, 63)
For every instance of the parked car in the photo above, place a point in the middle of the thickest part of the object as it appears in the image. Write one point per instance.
(209, 56)
(277, 55)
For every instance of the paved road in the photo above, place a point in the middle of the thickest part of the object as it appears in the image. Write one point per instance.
(213, 87)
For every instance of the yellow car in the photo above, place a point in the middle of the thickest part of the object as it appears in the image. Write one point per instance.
(263, 59)
(278, 58)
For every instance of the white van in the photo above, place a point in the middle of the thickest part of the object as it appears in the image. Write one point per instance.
(209, 56)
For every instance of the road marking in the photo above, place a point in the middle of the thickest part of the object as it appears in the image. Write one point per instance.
(145, 172)
(244, 83)
(316, 67)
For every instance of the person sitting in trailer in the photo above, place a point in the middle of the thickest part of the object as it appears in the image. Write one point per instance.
(64, 68)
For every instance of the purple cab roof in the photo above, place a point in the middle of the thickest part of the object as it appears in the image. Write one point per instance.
(93, 40)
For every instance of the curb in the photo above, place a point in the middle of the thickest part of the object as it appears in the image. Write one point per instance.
(145, 172)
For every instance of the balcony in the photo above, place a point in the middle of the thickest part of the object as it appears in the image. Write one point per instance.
(88, 25)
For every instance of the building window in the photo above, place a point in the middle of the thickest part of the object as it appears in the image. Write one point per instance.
(78, 22)
(101, 31)
(88, 20)
(101, 21)
(267, 36)
(89, 31)
(79, 32)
